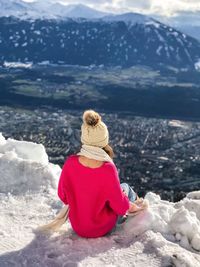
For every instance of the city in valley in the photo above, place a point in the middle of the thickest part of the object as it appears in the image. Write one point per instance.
(152, 154)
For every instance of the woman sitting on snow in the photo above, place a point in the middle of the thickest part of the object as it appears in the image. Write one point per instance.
(89, 183)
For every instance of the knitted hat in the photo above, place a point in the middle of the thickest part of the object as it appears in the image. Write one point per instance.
(93, 131)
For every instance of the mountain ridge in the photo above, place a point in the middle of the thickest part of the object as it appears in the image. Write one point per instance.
(100, 42)
(62, 34)
(42, 10)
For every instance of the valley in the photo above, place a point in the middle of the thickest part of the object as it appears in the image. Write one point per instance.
(140, 90)
(158, 155)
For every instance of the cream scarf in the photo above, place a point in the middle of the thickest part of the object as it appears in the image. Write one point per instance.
(90, 152)
(94, 152)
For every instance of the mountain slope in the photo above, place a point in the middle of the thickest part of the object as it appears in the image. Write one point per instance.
(124, 41)
(187, 22)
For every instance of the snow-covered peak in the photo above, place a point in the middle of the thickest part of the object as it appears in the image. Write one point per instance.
(13, 4)
(16, 8)
(79, 10)
(133, 18)
(42, 9)
(13, 7)
(66, 11)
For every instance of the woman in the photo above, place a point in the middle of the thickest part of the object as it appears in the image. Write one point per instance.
(89, 183)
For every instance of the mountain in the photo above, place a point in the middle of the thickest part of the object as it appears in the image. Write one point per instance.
(14, 5)
(46, 10)
(123, 40)
(188, 22)
(79, 10)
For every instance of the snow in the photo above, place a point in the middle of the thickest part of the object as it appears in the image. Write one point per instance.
(197, 65)
(167, 234)
(177, 123)
(47, 9)
(37, 32)
(29, 163)
(176, 34)
(2, 140)
(17, 64)
(130, 18)
(156, 24)
(45, 62)
(161, 39)
(194, 195)
(25, 150)
(24, 44)
(159, 50)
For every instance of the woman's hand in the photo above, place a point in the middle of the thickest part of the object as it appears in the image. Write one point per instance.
(138, 205)
(133, 207)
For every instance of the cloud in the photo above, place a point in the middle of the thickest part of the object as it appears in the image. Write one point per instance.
(144, 4)
(86, 2)
(170, 8)
(165, 7)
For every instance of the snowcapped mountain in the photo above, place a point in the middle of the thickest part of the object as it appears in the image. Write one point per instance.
(13, 7)
(76, 34)
(82, 11)
(122, 40)
(46, 10)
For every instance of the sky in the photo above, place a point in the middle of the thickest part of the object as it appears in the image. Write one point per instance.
(166, 8)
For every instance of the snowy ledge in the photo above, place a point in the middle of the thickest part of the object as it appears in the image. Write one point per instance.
(24, 166)
(167, 234)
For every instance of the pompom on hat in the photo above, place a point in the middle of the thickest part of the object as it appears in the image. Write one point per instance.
(93, 131)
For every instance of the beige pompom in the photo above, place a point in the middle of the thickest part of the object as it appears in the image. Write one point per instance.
(94, 132)
(91, 118)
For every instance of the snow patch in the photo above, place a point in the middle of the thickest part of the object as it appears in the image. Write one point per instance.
(24, 44)
(24, 167)
(17, 64)
(159, 50)
(197, 65)
(25, 150)
(2, 140)
(194, 195)
(177, 123)
(154, 23)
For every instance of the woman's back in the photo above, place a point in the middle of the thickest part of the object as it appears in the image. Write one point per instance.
(91, 163)
(92, 190)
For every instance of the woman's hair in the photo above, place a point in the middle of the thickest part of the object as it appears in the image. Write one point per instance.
(108, 149)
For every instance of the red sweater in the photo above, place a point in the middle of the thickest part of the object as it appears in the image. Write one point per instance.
(94, 196)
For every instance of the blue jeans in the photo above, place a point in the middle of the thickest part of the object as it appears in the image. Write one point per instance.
(131, 196)
(129, 192)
